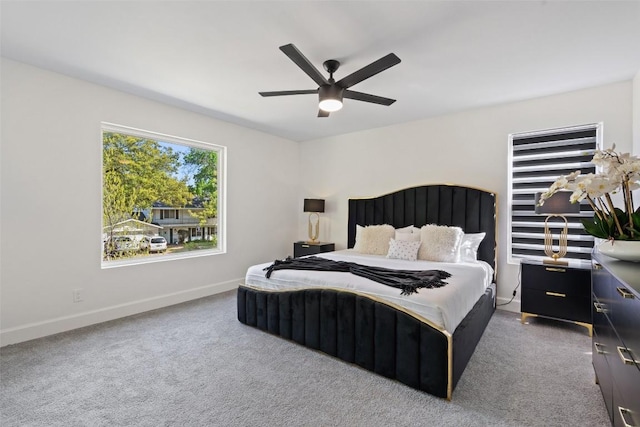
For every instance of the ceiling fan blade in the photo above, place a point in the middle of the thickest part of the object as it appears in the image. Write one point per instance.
(301, 61)
(359, 96)
(289, 92)
(370, 70)
(322, 113)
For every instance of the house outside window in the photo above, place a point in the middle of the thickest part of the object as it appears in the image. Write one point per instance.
(159, 188)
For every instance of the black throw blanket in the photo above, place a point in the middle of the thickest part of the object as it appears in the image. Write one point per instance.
(409, 281)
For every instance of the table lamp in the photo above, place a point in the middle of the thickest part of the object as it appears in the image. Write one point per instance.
(556, 206)
(313, 206)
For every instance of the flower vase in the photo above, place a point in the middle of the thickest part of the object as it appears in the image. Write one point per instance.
(625, 250)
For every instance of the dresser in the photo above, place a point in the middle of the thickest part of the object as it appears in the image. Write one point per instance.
(616, 336)
(556, 292)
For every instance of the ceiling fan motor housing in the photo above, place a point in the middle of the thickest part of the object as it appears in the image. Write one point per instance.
(332, 91)
(330, 97)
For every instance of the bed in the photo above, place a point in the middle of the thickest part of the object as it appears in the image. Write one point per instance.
(372, 325)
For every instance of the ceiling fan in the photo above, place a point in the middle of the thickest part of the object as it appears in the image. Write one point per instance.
(331, 92)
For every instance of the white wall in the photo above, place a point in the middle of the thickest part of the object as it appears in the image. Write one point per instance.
(469, 148)
(50, 185)
(51, 207)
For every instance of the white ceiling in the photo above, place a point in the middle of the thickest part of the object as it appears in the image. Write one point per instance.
(213, 57)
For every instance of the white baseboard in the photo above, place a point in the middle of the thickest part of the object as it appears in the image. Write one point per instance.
(67, 323)
(508, 306)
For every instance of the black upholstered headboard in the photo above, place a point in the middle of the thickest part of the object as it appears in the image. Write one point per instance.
(471, 209)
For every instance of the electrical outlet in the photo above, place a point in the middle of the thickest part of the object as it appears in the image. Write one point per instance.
(78, 295)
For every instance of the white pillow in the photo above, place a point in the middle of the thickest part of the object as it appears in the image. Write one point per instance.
(408, 233)
(469, 246)
(374, 239)
(408, 229)
(408, 237)
(440, 243)
(357, 245)
(402, 249)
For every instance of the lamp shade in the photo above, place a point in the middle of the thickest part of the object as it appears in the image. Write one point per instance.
(313, 205)
(558, 204)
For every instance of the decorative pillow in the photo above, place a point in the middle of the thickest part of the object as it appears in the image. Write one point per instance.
(408, 237)
(440, 243)
(357, 245)
(469, 246)
(401, 249)
(408, 229)
(374, 239)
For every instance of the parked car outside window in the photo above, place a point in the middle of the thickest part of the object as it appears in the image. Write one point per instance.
(121, 244)
(153, 244)
(144, 243)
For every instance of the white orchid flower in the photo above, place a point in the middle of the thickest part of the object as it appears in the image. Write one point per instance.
(620, 173)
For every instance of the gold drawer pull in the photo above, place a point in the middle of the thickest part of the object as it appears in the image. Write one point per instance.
(599, 307)
(626, 360)
(624, 414)
(555, 294)
(305, 246)
(558, 270)
(597, 345)
(624, 292)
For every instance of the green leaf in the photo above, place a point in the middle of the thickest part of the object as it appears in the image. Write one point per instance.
(634, 228)
(595, 227)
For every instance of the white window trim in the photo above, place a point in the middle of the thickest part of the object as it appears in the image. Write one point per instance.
(222, 193)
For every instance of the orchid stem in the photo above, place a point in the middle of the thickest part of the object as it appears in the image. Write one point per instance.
(595, 208)
(613, 214)
(603, 207)
(629, 201)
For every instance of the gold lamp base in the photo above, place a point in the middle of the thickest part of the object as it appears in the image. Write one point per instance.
(555, 261)
(313, 234)
(554, 257)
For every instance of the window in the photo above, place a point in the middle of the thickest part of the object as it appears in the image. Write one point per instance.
(537, 159)
(168, 214)
(159, 186)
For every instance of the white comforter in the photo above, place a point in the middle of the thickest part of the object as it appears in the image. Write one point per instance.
(444, 307)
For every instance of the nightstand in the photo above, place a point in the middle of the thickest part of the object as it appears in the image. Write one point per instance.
(304, 248)
(557, 292)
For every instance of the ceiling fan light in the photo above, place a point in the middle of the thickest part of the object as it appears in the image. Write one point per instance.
(330, 98)
(330, 105)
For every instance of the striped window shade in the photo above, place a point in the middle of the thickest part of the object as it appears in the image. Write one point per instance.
(537, 160)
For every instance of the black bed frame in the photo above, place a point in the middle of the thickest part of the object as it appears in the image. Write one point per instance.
(376, 335)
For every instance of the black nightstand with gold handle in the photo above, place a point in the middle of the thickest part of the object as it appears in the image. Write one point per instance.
(305, 248)
(556, 292)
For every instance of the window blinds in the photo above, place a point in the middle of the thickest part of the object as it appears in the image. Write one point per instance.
(538, 159)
